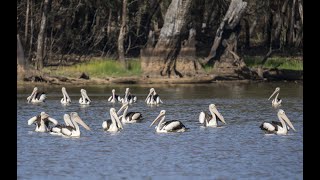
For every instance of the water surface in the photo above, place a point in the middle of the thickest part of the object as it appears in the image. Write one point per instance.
(238, 150)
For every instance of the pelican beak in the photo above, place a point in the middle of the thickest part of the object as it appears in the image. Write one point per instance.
(151, 91)
(55, 122)
(114, 114)
(32, 94)
(158, 118)
(86, 96)
(274, 92)
(77, 119)
(216, 112)
(31, 120)
(286, 119)
(123, 106)
(64, 92)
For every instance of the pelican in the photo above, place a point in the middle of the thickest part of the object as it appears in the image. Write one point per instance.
(276, 127)
(42, 122)
(84, 99)
(211, 120)
(276, 102)
(36, 97)
(114, 124)
(129, 117)
(113, 98)
(153, 97)
(66, 99)
(128, 97)
(74, 130)
(168, 126)
(56, 130)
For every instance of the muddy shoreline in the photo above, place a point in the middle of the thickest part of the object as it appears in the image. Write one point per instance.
(268, 75)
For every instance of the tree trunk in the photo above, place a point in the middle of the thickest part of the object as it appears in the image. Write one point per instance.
(26, 24)
(224, 47)
(161, 59)
(40, 44)
(122, 33)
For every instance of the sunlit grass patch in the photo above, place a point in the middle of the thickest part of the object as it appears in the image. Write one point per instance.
(98, 68)
(275, 62)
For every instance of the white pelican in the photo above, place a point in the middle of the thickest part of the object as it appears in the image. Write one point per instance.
(211, 120)
(128, 97)
(153, 97)
(114, 98)
(74, 130)
(129, 117)
(276, 102)
(36, 97)
(84, 99)
(168, 126)
(114, 124)
(42, 122)
(56, 130)
(276, 127)
(66, 99)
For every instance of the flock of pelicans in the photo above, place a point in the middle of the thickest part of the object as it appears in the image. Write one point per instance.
(72, 129)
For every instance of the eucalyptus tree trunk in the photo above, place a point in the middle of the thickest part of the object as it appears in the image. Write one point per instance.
(224, 48)
(122, 33)
(40, 44)
(161, 59)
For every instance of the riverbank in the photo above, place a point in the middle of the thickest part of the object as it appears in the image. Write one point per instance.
(268, 75)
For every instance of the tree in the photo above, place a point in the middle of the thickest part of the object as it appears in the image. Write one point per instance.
(224, 48)
(41, 35)
(122, 33)
(161, 59)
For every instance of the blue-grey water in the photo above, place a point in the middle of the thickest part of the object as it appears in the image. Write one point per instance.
(237, 150)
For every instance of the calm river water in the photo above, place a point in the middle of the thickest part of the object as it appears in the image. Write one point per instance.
(238, 150)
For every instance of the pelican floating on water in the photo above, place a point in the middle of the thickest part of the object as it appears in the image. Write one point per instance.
(56, 130)
(42, 122)
(276, 102)
(168, 126)
(66, 99)
(113, 124)
(153, 97)
(36, 97)
(84, 99)
(128, 97)
(114, 98)
(278, 127)
(129, 117)
(211, 120)
(73, 130)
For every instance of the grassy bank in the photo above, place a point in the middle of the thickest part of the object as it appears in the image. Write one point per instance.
(97, 68)
(290, 63)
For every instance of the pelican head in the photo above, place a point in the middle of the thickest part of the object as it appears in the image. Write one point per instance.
(125, 104)
(214, 111)
(151, 91)
(34, 92)
(44, 115)
(113, 114)
(282, 115)
(161, 115)
(84, 94)
(275, 91)
(75, 117)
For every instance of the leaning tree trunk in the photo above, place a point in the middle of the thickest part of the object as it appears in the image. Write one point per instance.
(224, 48)
(161, 59)
(40, 45)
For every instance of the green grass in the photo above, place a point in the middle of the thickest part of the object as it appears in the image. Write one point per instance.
(275, 62)
(98, 68)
